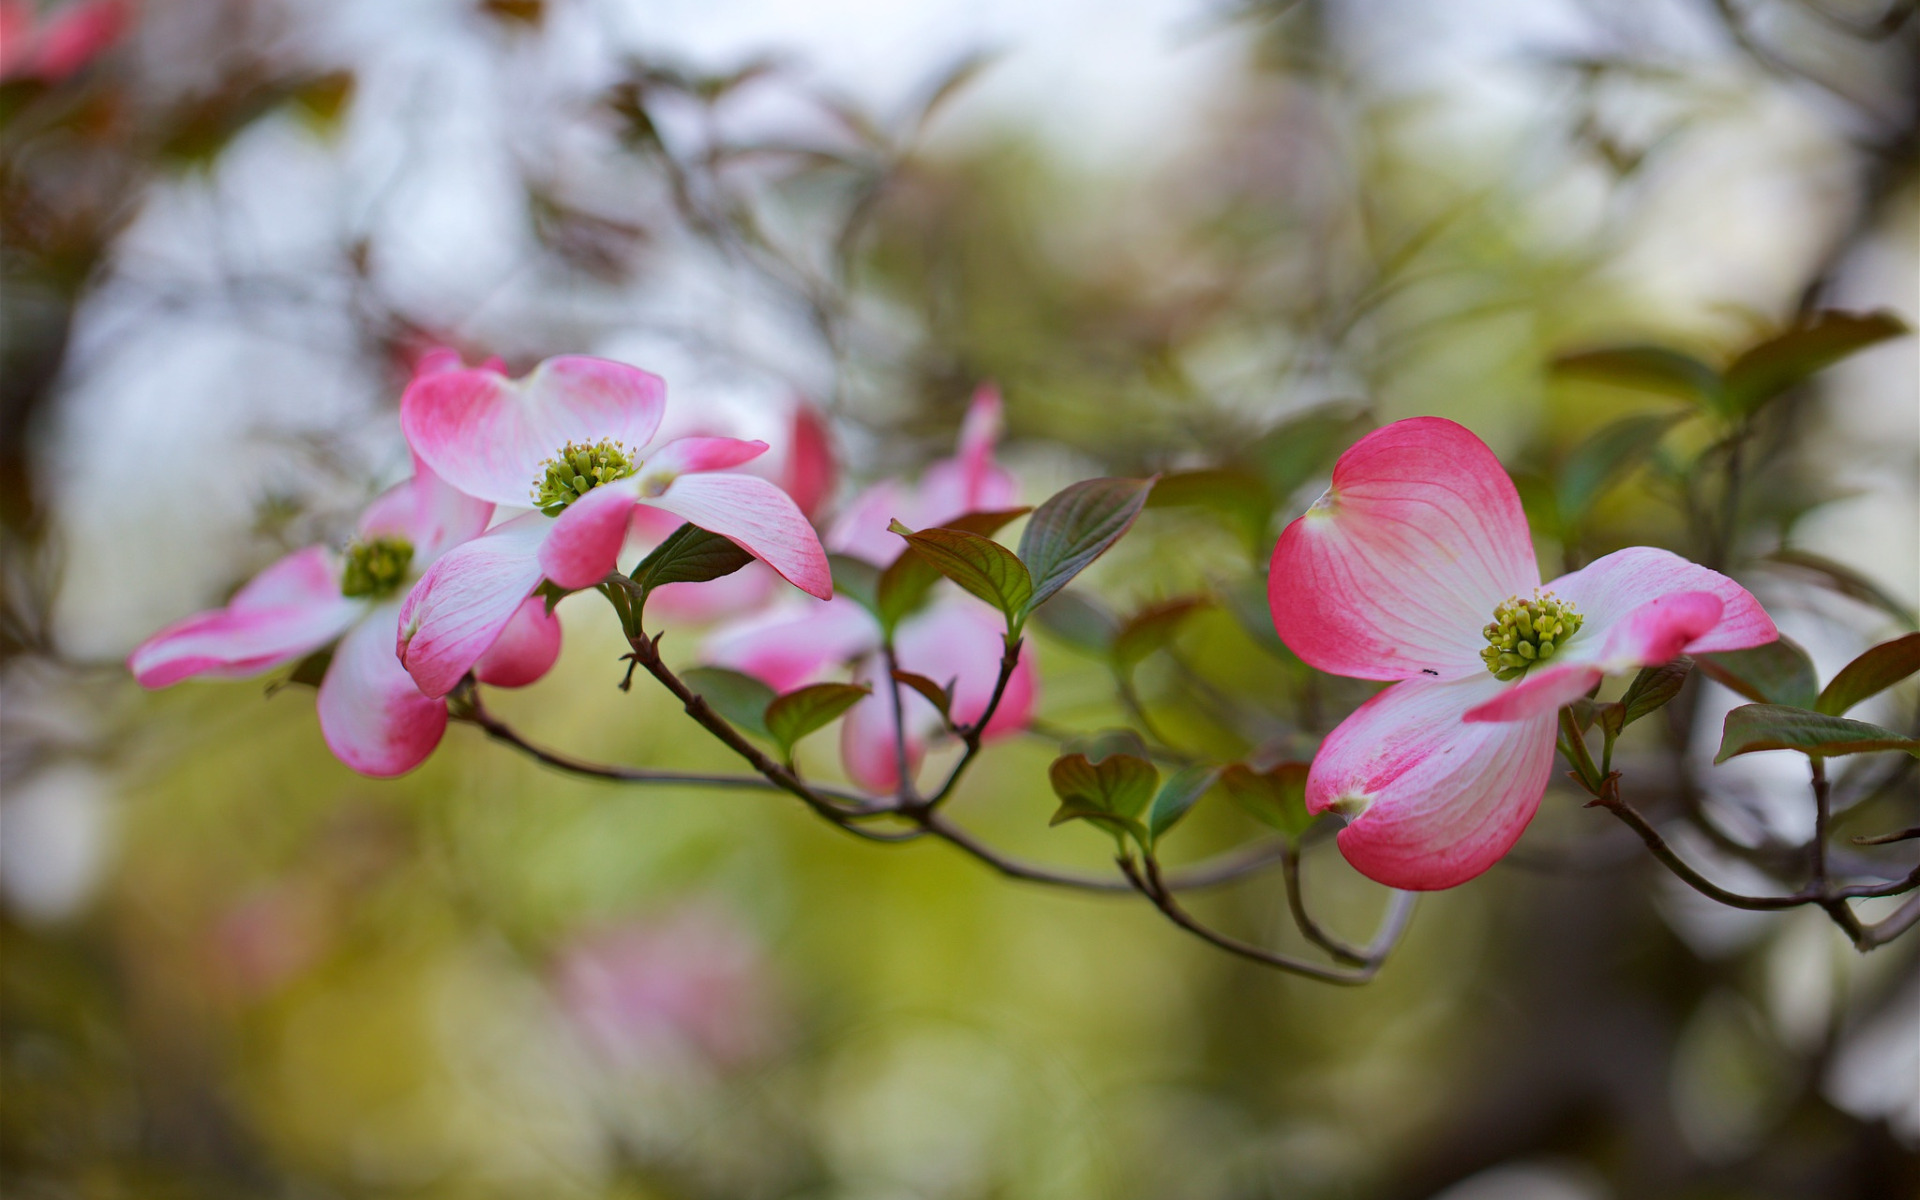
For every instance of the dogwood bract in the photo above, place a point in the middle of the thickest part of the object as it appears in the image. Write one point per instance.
(957, 639)
(570, 440)
(1417, 566)
(373, 717)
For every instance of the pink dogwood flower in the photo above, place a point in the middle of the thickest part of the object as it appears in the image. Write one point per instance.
(372, 715)
(1417, 567)
(571, 440)
(956, 639)
(66, 41)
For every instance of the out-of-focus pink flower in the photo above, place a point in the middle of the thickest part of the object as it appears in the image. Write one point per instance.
(53, 49)
(691, 984)
(955, 640)
(1417, 566)
(570, 438)
(373, 716)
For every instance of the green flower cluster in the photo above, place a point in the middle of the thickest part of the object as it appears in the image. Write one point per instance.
(577, 470)
(1526, 631)
(376, 567)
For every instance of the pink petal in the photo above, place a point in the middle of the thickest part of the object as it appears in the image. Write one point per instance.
(464, 601)
(374, 719)
(810, 471)
(288, 611)
(796, 643)
(428, 512)
(867, 749)
(1435, 801)
(585, 540)
(684, 456)
(489, 435)
(971, 481)
(861, 528)
(959, 641)
(1398, 567)
(760, 518)
(525, 650)
(72, 37)
(1544, 690)
(1611, 589)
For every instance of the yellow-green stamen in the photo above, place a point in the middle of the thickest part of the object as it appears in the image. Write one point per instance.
(576, 470)
(1526, 631)
(376, 567)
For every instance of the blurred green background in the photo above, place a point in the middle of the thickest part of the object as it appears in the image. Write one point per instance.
(1179, 235)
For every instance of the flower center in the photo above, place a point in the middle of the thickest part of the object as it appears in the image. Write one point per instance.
(377, 567)
(577, 470)
(1526, 631)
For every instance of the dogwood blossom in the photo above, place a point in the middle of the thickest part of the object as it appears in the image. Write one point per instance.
(570, 440)
(372, 715)
(62, 43)
(956, 639)
(1417, 566)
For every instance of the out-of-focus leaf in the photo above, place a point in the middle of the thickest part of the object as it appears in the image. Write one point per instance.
(1153, 627)
(904, 586)
(741, 699)
(1276, 796)
(323, 100)
(1777, 364)
(1295, 451)
(1645, 368)
(1652, 688)
(1108, 742)
(1846, 581)
(980, 565)
(1239, 496)
(1753, 727)
(1111, 792)
(689, 554)
(952, 82)
(519, 12)
(1176, 799)
(805, 710)
(1247, 600)
(1077, 525)
(941, 697)
(857, 579)
(1776, 673)
(1540, 501)
(1081, 623)
(1597, 463)
(1870, 674)
(308, 672)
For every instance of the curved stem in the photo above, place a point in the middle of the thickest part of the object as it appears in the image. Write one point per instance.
(972, 732)
(1303, 920)
(1154, 889)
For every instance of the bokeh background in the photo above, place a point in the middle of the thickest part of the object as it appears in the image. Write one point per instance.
(1165, 227)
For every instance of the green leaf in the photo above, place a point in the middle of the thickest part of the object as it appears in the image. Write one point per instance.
(1847, 582)
(1644, 368)
(856, 578)
(1597, 463)
(1872, 673)
(1247, 600)
(1754, 727)
(1176, 799)
(741, 699)
(938, 696)
(309, 672)
(1290, 454)
(903, 587)
(1777, 364)
(805, 710)
(1276, 796)
(1776, 673)
(1652, 688)
(1076, 526)
(1111, 791)
(1153, 627)
(980, 565)
(1237, 495)
(689, 555)
(1078, 622)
